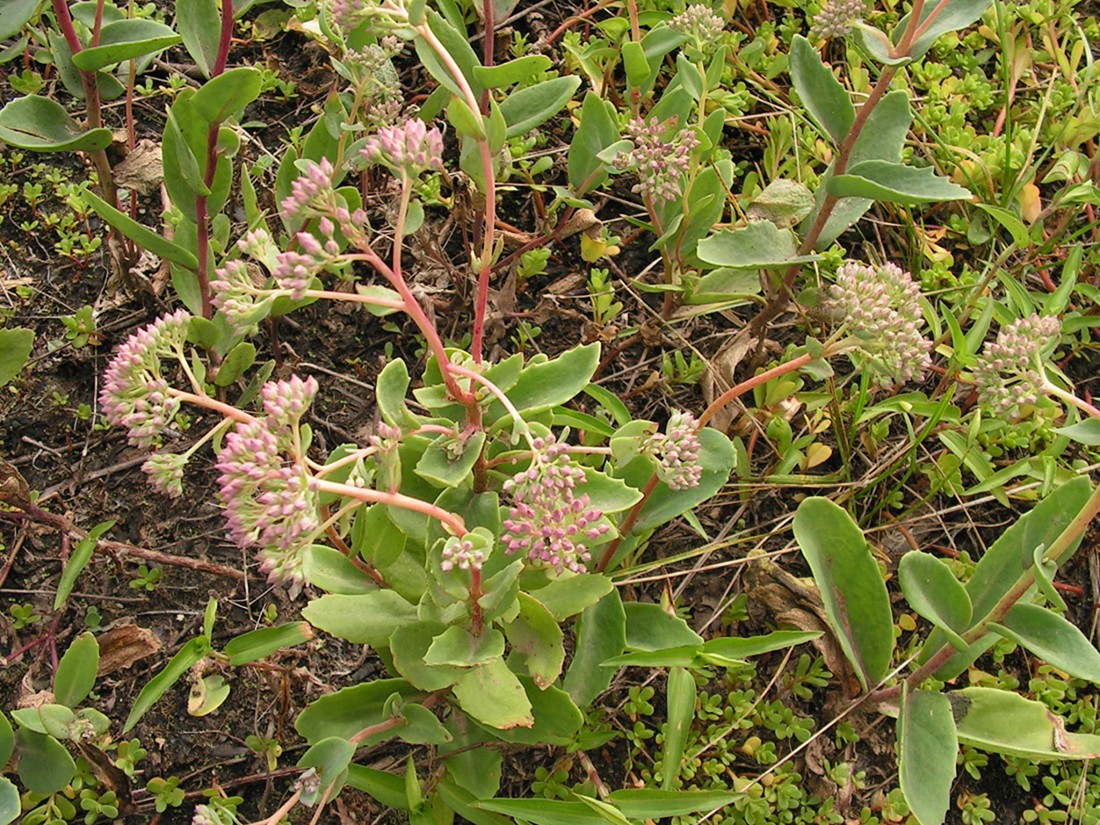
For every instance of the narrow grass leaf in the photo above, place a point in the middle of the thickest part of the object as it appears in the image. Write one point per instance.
(927, 746)
(141, 235)
(652, 803)
(156, 687)
(256, 644)
(543, 811)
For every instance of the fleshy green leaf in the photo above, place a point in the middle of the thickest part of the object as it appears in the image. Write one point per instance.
(331, 758)
(888, 182)
(1085, 432)
(42, 125)
(458, 647)
(386, 788)
(851, 586)
(15, 349)
(514, 71)
(9, 801)
(1052, 639)
(535, 638)
(933, 591)
(441, 466)
(547, 384)
(334, 572)
(952, 16)
(45, 766)
(364, 618)
(544, 811)
(14, 15)
(1004, 722)
(347, 711)
(156, 687)
(651, 803)
(569, 595)
(125, 40)
(227, 93)
(256, 644)
(7, 740)
(199, 25)
(409, 644)
(76, 672)
(650, 627)
(681, 712)
(601, 634)
(557, 718)
(141, 235)
(730, 649)
(597, 131)
(758, 245)
(823, 95)
(493, 695)
(235, 362)
(927, 746)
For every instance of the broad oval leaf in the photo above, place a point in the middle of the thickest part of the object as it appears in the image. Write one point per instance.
(45, 766)
(547, 384)
(364, 618)
(927, 746)
(650, 627)
(334, 572)
(888, 182)
(1085, 432)
(823, 95)
(199, 26)
(531, 106)
(680, 713)
(7, 740)
(256, 644)
(1005, 722)
(933, 591)
(124, 40)
(347, 711)
(569, 595)
(557, 718)
(535, 639)
(15, 348)
(76, 672)
(331, 758)
(514, 71)
(227, 93)
(851, 586)
(1052, 639)
(601, 634)
(14, 15)
(42, 125)
(758, 245)
(493, 695)
(9, 801)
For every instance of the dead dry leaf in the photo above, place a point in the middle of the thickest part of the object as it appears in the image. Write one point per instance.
(123, 645)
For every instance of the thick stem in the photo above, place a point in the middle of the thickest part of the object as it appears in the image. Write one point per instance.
(627, 524)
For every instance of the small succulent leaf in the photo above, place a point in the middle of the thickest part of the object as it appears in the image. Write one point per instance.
(758, 245)
(364, 618)
(45, 766)
(375, 537)
(347, 711)
(1003, 563)
(933, 591)
(227, 93)
(650, 627)
(546, 384)
(42, 125)
(1085, 432)
(895, 183)
(681, 712)
(7, 740)
(493, 695)
(199, 24)
(569, 595)
(409, 645)
(601, 634)
(927, 747)
(15, 350)
(1045, 570)
(332, 571)
(557, 718)
(1052, 639)
(9, 801)
(824, 96)
(952, 16)
(235, 362)
(14, 15)
(535, 639)
(207, 695)
(262, 642)
(512, 72)
(653, 803)
(597, 131)
(141, 235)
(851, 586)
(441, 466)
(422, 727)
(531, 106)
(76, 672)
(125, 40)
(331, 758)
(386, 788)
(1003, 722)
(156, 687)
(391, 390)
(458, 647)
(635, 64)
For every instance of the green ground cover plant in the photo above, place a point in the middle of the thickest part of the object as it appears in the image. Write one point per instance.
(900, 280)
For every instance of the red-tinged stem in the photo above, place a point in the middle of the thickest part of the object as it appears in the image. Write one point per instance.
(763, 378)
(224, 39)
(627, 525)
(451, 521)
(227, 410)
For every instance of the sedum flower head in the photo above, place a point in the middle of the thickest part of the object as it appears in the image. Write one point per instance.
(406, 149)
(677, 452)
(235, 294)
(701, 25)
(881, 305)
(1008, 374)
(269, 495)
(311, 189)
(837, 17)
(134, 394)
(165, 471)
(660, 162)
(385, 16)
(548, 521)
(464, 554)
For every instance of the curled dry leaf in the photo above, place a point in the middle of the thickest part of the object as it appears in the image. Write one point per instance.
(14, 489)
(123, 645)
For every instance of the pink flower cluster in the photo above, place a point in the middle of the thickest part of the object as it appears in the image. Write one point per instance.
(269, 495)
(308, 188)
(660, 162)
(407, 149)
(1007, 373)
(549, 522)
(677, 452)
(463, 554)
(134, 394)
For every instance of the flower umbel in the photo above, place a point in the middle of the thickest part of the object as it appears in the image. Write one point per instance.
(134, 394)
(702, 26)
(549, 522)
(1008, 373)
(677, 452)
(837, 17)
(881, 305)
(660, 162)
(269, 494)
(407, 149)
